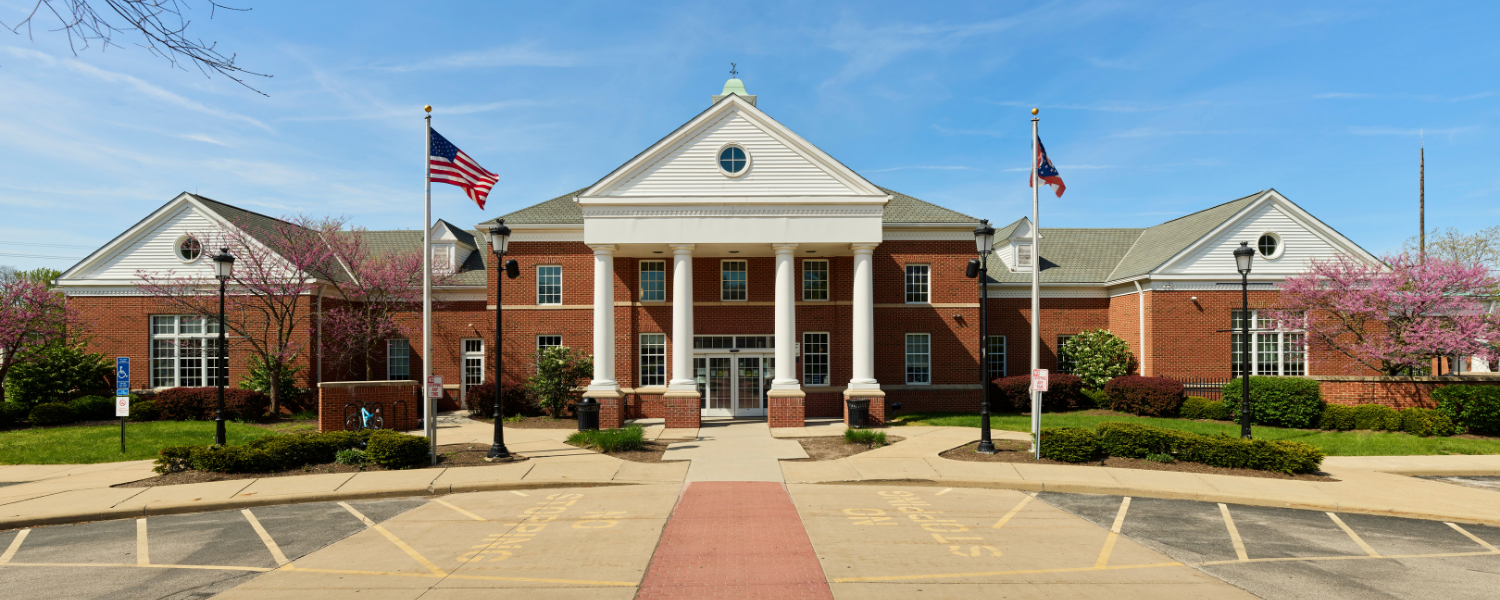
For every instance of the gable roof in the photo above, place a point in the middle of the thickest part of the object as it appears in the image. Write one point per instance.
(1075, 255)
(1159, 243)
(470, 273)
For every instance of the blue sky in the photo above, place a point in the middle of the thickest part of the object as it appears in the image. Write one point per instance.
(1150, 110)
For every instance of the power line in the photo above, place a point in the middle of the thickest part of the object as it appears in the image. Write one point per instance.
(40, 256)
(44, 245)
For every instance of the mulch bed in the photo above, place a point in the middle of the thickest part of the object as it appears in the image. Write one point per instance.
(833, 448)
(452, 455)
(1020, 452)
(533, 422)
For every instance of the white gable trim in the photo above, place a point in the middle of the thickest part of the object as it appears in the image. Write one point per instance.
(862, 188)
(1294, 212)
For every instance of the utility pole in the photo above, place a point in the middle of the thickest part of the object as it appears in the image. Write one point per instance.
(1422, 197)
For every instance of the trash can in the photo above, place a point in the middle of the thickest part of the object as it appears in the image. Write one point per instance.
(588, 414)
(859, 412)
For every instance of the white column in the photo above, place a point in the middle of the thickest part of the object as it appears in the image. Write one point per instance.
(604, 320)
(864, 319)
(682, 320)
(786, 318)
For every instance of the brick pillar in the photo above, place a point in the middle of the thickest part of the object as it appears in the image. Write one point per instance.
(787, 411)
(683, 411)
(876, 417)
(611, 413)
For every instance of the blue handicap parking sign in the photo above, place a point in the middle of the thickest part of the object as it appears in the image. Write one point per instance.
(122, 376)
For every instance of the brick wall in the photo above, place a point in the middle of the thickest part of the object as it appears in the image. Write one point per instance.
(786, 412)
(1396, 392)
(335, 398)
(1011, 317)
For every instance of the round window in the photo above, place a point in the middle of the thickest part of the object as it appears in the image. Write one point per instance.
(1269, 245)
(189, 249)
(733, 160)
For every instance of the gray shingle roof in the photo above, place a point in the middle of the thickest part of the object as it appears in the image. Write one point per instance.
(1071, 255)
(471, 272)
(906, 209)
(564, 210)
(1159, 243)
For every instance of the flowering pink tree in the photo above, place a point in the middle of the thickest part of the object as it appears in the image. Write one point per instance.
(31, 317)
(1393, 316)
(380, 284)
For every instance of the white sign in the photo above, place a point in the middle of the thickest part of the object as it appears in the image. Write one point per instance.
(122, 406)
(1038, 380)
(434, 386)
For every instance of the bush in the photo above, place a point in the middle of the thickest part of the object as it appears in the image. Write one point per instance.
(394, 450)
(1145, 396)
(1426, 422)
(610, 440)
(93, 408)
(12, 413)
(560, 371)
(1375, 416)
(1094, 399)
(270, 453)
(1193, 407)
(143, 410)
(517, 401)
(866, 437)
(1472, 407)
(1130, 440)
(51, 413)
(1336, 417)
(1069, 444)
(1278, 401)
(1218, 412)
(351, 456)
(1097, 356)
(57, 371)
(1064, 392)
(258, 379)
(198, 404)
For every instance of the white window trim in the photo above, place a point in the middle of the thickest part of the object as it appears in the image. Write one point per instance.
(640, 362)
(827, 272)
(641, 280)
(211, 337)
(177, 249)
(465, 355)
(906, 359)
(539, 337)
(722, 262)
(1057, 352)
(904, 283)
(1015, 250)
(1004, 356)
(388, 356)
(748, 160)
(538, 288)
(446, 263)
(1282, 345)
(827, 353)
(1280, 245)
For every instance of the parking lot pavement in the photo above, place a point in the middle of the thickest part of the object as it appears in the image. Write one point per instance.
(174, 556)
(1286, 553)
(1481, 482)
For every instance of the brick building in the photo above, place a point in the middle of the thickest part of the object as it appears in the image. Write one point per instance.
(735, 269)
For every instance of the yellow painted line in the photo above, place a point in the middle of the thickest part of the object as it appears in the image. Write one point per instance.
(1114, 534)
(993, 573)
(1006, 519)
(265, 537)
(461, 576)
(519, 493)
(945, 490)
(417, 556)
(1471, 536)
(15, 545)
(139, 566)
(1354, 536)
(142, 549)
(460, 510)
(1234, 533)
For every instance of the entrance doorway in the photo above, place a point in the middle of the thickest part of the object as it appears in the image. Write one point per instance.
(734, 384)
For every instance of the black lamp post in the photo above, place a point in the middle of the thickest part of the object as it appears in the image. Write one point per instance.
(984, 239)
(499, 242)
(1242, 258)
(223, 271)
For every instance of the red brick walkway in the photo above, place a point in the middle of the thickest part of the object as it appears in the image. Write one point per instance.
(734, 540)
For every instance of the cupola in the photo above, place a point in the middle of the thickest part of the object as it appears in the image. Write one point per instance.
(736, 87)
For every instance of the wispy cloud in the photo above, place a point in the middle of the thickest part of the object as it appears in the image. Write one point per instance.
(1103, 106)
(385, 112)
(1145, 132)
(198, 137)
(923, 167)
(1421, 97)
(514, 55)
(1451, 131)
(1344, 96)
(871, 49)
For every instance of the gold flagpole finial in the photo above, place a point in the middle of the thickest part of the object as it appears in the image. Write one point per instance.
(427, 108)
(1035, 111)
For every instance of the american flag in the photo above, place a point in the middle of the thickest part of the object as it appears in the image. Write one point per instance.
(1046, 171)
(450, 165)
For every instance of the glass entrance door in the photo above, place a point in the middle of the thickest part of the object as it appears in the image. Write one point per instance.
(734, 385)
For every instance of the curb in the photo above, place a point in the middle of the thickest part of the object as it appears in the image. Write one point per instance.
(176, 508)
(1492, 520)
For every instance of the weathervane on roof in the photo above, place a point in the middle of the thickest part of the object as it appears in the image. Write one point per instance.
(732, 72)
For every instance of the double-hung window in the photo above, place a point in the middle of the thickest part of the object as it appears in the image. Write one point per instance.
(994, 356)
(549, 284)
(398, 360)
(473, 362)
(183, 348)
(918, 358)
(1273, 351)
(1064, 364)
(814, 358)
(814, 280)
(918, 284)
(653, 359)
(544, 342)
(732, 280)
(653, 281)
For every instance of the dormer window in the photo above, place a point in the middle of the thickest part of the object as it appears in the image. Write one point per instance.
(442, 258)
(1022, 257)
(733, 160)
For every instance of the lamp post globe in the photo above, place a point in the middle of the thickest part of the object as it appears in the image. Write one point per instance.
(499, 244)
(984, 240)
(1243, 256)
(223, 271)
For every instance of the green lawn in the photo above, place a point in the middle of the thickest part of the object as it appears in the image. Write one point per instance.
(101, 443)
(1332, 443)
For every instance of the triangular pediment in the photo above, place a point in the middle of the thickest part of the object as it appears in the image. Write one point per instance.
(151, 245)
(1298, 239)
(685, 164)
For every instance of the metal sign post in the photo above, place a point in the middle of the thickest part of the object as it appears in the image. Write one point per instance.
(122, 395)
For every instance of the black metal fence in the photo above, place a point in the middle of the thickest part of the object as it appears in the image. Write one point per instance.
(1211, 388)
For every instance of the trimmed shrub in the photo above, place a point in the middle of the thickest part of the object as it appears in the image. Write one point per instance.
(1374, 416)
(1336, 417)
(1278, 401)
(198, 404)
(518, 401)
(270, 453)
(1097, 356)
(1218, 412)
(1069, 444)
(57, 372)
(93, 408)
(12, 413)
(143, 410)
(1193, 407)
(394, 450)
(1064, 392)
(1145, 396)
(1095, 399)
(1426, 422)
(1472, 407)
(1131, 440)
(51, 413)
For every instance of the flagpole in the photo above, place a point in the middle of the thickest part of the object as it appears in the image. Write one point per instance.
(1036, 302)
(429, 406)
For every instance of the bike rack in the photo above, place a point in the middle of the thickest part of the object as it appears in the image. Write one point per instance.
(405, 411)
(352, 412)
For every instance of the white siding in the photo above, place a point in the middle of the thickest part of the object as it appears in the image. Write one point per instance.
(155, 249)
(691, 169)
(1299, 245)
